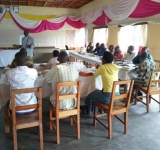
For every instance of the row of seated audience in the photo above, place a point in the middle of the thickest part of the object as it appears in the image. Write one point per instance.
(24, 77)
(117, 53)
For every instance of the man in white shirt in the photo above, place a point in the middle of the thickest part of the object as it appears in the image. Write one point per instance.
(130, 53)
(62, 73)
(53, 61)
(27, 43)
(22, 77)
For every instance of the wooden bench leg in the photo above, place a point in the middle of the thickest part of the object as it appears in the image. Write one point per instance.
(6, 119)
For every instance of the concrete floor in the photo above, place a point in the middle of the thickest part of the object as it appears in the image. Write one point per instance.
(143, 133)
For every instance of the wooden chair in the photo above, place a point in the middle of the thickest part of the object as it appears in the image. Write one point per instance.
(153, 88)
(56, 113)
(27, 120)
(113, 109)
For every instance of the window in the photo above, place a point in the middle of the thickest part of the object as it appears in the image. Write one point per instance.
(100, 36)
(132, 35)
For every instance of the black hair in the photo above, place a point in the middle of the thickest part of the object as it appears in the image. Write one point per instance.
(108, 57)
(131, 47)
(111, 46)
(117, 47)
(145, 48)
(55, 53)
(63, 57)
(20, 58)
(144, 55)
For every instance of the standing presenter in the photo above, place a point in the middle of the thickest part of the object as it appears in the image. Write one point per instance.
(27, 43)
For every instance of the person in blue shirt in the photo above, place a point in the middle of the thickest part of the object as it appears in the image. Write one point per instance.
(97, 48)
(101, 50)
(137, 59)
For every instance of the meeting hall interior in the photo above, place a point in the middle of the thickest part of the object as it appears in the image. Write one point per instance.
(79, 74)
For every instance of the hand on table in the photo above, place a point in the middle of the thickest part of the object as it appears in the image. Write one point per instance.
(14, 45)
(97, 66)
(8, 65)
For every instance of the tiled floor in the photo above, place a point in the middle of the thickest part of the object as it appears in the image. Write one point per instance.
(143, 133)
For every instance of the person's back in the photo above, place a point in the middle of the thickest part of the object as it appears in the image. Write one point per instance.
(53, 61)
(144, 70)
(22, 77)
(63, 72)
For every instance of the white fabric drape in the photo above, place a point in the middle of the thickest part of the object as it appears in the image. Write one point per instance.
(57, 20)
(91, 16)
(24, 22)
(121, 9)
(158, 1)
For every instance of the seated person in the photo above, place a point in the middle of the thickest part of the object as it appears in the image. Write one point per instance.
(111, 49)
(62, 73)
(101, 50)
(19, 78)
(97, 48)
(53, 61)
(109, 74)
(90, 48)
(137, 59)
(29, 60)
(143, 71)
(146, 49)
(130, 53)
(118, 55)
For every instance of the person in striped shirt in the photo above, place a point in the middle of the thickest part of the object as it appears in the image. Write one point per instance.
(63, 72)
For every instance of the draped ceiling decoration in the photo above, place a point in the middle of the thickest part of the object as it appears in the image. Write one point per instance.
(117, 11)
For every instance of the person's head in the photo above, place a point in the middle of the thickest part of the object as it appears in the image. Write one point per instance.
(107, 57)
(130, 49)
(90, 43)
(144, 55)
(26, 33)
(145, 49)
(23, 50)
(63, 57)
(102, 45)
(117, 49)
(20, 58)
(111, 48)
(97, 45)
(55, 53)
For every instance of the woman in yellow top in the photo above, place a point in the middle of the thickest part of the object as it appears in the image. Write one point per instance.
(109, 74)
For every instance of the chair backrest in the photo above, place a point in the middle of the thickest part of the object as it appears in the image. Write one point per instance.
(68, 96)
(154, 79)
(126, 95)
(37, 106)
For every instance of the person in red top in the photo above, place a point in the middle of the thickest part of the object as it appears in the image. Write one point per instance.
(118, 55)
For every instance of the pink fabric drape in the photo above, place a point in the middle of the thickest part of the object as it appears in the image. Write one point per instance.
(146, 8)
(76, 24)
(102, 20)
(45, 25)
